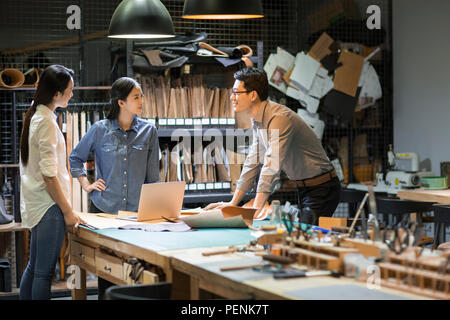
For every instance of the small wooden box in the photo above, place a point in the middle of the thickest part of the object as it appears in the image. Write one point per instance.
(328, 222)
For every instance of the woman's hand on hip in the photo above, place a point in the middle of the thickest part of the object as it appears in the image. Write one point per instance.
(99, 185)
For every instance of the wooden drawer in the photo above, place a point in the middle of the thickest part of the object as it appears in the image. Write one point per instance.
(109, 265)
(83, 252)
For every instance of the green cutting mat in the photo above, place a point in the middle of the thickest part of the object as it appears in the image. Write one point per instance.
(161, 241)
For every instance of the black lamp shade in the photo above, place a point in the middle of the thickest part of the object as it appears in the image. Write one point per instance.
(141, 19)
(222, 9)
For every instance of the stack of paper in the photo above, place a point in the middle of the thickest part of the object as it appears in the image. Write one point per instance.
(370, 86)
(339, 78)
(309, 82)
(277, 65)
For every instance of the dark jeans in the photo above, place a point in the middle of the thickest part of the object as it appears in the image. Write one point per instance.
(46, 241)
(93, 209)
(101, 283)
(318, 201)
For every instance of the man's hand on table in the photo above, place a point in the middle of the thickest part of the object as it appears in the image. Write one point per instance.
(218, 205)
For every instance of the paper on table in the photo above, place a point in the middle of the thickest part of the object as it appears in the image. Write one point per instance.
(192, 211)
(158, 227)
(227, 217)
(98, 222)
(213, 219)
(304, 71)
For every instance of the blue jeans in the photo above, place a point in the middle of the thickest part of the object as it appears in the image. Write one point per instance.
(46, 241)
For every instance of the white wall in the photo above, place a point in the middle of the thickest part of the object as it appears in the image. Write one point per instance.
(421, 53)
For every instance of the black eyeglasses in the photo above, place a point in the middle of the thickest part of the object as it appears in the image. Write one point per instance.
(239, 92)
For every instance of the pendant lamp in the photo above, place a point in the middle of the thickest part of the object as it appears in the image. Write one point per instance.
(141, 19)
(222, 9)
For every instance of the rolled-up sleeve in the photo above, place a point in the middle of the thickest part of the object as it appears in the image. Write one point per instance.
(80, 153)
(47, 142)
(152, 174)
(279, 136)
(252, 165)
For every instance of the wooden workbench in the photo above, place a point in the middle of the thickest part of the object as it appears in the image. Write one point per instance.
(179, 254)
(438, 196)
(103, 252)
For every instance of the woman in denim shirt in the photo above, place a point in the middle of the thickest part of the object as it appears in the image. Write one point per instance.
(126, 150)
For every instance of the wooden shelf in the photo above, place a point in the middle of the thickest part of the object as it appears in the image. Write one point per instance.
(75, 88)
(9, 165)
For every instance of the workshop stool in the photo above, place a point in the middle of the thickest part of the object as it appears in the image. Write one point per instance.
(353, 198)
(397, 208)
(441, 222)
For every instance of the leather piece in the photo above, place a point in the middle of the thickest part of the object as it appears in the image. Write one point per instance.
(266, 210)
(246, 213)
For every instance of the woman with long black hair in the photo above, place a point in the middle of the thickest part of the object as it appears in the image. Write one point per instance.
(126, 150)
(45, 182)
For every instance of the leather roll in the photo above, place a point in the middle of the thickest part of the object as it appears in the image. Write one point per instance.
(11, 78)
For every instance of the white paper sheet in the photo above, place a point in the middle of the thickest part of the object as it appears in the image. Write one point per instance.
(304, 71)
(276, 66)
(103, 223)
(314, 122)
(311, 103)
(371, 88)
(322, 84)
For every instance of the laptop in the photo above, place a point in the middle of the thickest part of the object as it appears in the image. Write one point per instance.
(158, 200)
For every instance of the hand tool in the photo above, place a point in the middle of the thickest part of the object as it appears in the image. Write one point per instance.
(250, 247)
(277, 259)
(363, 202)
(212, 253)
(289, 226)
(373, 211)
(393, 238)
(287, 273)
(248, 266)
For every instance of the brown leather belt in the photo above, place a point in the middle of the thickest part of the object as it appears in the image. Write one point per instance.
(312, 182)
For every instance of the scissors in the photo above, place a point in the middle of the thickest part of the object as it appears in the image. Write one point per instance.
(305, 230)
(289, 224)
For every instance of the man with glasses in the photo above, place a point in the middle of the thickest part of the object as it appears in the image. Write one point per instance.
(282, 141)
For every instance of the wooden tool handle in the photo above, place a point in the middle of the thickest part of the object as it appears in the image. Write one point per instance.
(211, 253)
(248, 266)
(277, 259)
